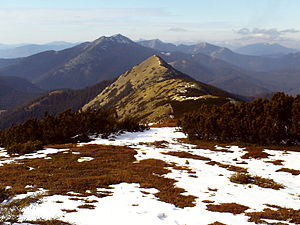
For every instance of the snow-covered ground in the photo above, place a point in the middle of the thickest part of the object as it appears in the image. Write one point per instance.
(130, 204)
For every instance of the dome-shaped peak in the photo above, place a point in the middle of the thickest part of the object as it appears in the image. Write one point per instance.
(118, 38)
(121, 39)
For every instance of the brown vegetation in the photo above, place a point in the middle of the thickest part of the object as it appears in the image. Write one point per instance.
(69, 210)
(182, 154)
(244, 178)
(291, 171)
(170, 123)
(228, 167)
(186, 168)
(157, 144)
(216, 223)
(111, 165)
(281, 214)
(208, 201)
(275, 162)
(49, 222)
(255, 153)
(10, 211)
(86, 206)
(228, 207)
(201, 144)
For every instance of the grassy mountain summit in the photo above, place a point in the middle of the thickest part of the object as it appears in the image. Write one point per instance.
(153, 90)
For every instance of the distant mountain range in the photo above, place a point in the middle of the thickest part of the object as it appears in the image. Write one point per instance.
(162, 80)
(265, 49)
(280, 73)
(15, 90)
(7, 51)
(247, 62)
(89, 63)
(82, 65)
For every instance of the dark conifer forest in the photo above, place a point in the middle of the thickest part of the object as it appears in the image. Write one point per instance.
(274, 121)
(67, 127)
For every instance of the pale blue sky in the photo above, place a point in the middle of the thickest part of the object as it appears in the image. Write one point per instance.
(232, 21)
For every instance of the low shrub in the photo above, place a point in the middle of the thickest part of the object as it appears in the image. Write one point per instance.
(3, 194)
(274, 121)
(11, 211)
(24, 148)
(67, 127)
(244, 178)
(241, 178)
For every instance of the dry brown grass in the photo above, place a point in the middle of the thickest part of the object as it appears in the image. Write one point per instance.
(280, 214)
(171, 123)
(205, 145)
(184, 168)
(275, 162)
(291, 171)
(228, 167)
(186, 155)
(193, 176)
(86, 206)
(208, 201)
(233, 208)
(49, 222)
(255, 153)
(212, 189)
(217, 223)
(256, 148)
(111, 165)
(90, 201)
(244, 178)
(69, 210)
(10, 211)
(157, 144)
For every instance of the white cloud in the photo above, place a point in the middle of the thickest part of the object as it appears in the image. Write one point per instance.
(44, 25)
(48, 16)
(267, 34)
(177, 29)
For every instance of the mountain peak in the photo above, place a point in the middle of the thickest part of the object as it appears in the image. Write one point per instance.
(117, 38)
(154, 68)
(121, 39)
(153, 90)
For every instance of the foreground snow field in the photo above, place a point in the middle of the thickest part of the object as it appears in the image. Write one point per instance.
(127, 203)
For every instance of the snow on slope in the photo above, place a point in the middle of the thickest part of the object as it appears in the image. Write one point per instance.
(130, 204)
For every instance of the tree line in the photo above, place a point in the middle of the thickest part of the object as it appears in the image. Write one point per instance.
(66, 127)
(262, 121)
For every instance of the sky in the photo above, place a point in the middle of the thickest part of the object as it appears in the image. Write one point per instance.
(233, 22)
